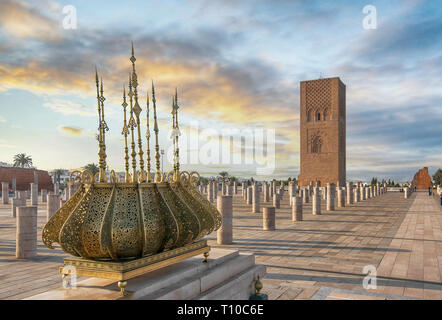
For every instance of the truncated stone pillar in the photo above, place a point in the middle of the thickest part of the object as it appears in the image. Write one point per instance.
(44, 194)
(356, 195)
(210, 192)
(52, 206)
(15, 203)
(316, 205)
(276, 202)
(35, 177)
(268, 218)
(235, 187)
(349, 193)
(367, 193)
(265, 189)
(406, 192)
(224, 233)
(34, 194)
(330, 196)
(14, 185)
(215, 190)
(363, 193)
(341, 198)
(26, 234)
(305, 196)
(5, 192)
(297, 209)
(249, 195)
(255, 199)
(56, 188)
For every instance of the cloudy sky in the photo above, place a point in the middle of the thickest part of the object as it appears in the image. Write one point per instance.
(237, 66)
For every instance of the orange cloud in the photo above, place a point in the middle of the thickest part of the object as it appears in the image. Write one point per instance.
(71, 131)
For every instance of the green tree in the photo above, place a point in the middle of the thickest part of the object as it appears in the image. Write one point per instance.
(22, 160)
(437, 177)
(92, 167)
(57, 174)
(224, 174)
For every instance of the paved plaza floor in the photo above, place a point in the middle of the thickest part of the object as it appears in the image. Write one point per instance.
(321, 257)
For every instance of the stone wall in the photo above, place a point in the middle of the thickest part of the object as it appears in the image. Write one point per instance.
(24, 177)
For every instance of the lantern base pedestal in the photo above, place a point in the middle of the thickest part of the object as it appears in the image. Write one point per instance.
(227, 275)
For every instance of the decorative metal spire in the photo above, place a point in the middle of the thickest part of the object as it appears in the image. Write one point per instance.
(132, 125)
(158, 175)
(148, 139)
(137, 110)
(125, 132)
(177, 134)
(101, 130)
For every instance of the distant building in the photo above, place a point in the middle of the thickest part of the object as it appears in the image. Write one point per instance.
(24, 177)
(323, 131)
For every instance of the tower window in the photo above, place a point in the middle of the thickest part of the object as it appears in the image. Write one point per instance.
(318, 116)
(325, 114)
(309, 115)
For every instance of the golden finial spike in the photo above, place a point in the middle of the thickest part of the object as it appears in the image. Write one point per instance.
(102, 128)
(148, 139)
(177, 134)
(132, 125)
(158, 174)
(137, 110)
(125, 132)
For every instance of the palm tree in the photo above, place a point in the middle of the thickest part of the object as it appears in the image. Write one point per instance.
(22, 160)
(92, 167)
(57, 174)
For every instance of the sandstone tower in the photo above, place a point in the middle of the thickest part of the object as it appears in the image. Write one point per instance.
(322, 114)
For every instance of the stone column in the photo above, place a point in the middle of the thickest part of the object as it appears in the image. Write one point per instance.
(210, 192)
(229, 189)
(26, 234)
(56, 188)
(66, 191)
(276, 202)
(14, 185)
(62, 202)
(356, 195)
(406, 194)
(223, 188)
(44, 194)
(341, 198)
(35, 177)
(316, 205)
(235, 187)
(17, 202)
(273, 188)
(52, 206)
(297, 209)
(363, 193)
(330, 196)
(215, 190)
(291, 184)
(244, 192)
(224, 233)
(306, 193)
(249, 195)
(324, 192)
(265, 189)
(268, 218)
(5, 192)
(255, 199)
(367, 193)
(349, 193)
(34, 194)
(22, 196)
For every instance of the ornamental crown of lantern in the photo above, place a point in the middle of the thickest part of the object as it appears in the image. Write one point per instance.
(111, 219)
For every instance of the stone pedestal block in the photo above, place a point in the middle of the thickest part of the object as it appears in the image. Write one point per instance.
(26, 234)
(5, 192)
(224, 233)
(268, 218)
(297, 209)
(52, 205)
(34, 194)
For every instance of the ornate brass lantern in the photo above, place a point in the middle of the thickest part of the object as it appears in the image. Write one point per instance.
(114, 220)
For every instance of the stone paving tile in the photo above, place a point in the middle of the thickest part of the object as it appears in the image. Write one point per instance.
(402, 238)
